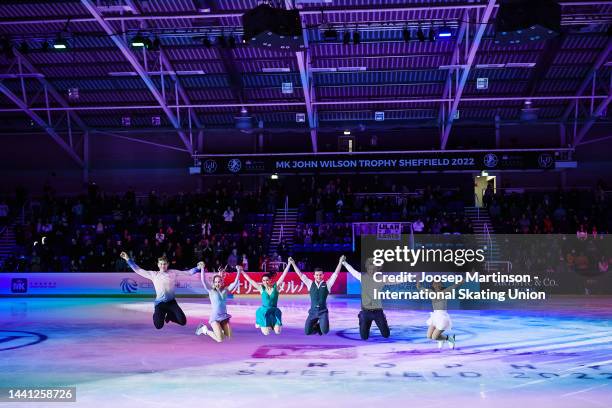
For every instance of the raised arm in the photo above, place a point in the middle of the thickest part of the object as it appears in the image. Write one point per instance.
(191, 271)
(236, 281)
(299, 273)
(205, 283)
(256, 285)
(136, 268)
(352, 271)
(282, 277)
(332, 279)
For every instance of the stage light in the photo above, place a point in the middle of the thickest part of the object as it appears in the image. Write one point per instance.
(274, 176)
(60, 43)
(445, 32)
(420, 34)
(346, 38)
(356, 37)
(24, 48)
(347, 132)
(138, 41)
(406, 34)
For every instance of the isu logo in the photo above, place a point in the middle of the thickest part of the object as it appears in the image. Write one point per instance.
(545, 160)
(303, 352)
(234, 165)
(129, 285)
(210, 166)
(490, 160)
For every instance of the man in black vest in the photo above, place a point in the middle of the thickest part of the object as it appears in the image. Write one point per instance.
(318, 316)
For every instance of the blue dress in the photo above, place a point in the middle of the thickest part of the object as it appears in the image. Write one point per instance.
(218, 301)
(268, 315)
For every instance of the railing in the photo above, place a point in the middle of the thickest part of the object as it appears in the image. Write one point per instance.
(273, 266)
(488, 239)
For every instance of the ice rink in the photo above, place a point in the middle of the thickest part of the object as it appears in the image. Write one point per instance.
(109, 350)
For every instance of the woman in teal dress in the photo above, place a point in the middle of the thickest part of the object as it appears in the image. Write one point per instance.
(268, 317)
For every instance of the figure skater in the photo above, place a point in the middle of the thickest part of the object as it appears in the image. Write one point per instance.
(439, 320)
(217, 293)
(371, 309)
(318, 316)
(268, 316)
(164, 281)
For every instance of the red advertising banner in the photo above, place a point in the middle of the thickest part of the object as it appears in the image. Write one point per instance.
(291, 286)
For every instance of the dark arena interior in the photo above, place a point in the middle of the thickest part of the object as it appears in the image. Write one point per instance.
(333, 203)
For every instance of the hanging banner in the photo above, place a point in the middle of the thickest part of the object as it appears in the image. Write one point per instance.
(493, 160)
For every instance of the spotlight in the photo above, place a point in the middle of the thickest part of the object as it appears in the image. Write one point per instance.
(445, 32)
(24, 48)
(138, 41)
(206, 42)
(420, 34)
(155, 45)
(60, 43)
(222, 41)
(346, 38)
(274, 176)
(406, 34)
(356, 37)
(432, 34)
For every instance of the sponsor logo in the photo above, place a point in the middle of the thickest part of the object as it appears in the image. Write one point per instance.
(19, 285)
(210, 166)
(491, 160)
(129, 285)
(545, 160)
(12, 339)
(302, 351)
(234, 165)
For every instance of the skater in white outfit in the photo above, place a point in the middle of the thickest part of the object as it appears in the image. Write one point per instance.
(439, 320)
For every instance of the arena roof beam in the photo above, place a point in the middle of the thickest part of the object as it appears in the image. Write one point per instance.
(591, 121)
(40, 122)
(127, 53)
(167, 66)
(601, 59)
(481, 28)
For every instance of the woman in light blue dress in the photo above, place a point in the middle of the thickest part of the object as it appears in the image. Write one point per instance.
(268, 316)
(219, 318)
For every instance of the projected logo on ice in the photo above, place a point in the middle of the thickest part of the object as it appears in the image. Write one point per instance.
(234, 165)
(129, 285)
(490, 160)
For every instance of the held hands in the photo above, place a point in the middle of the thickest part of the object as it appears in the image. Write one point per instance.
(291, 261)
(124, 256)
(239, 269)
(342, 259)
(200, 265)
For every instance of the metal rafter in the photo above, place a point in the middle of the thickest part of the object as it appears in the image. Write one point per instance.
(589, 123)
(601, 59)
(482, 26)
(167, 66)
(40, 122)
(133, 60)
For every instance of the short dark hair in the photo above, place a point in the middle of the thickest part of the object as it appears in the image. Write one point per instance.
(269, 275)
(162, 259)
(318, 269)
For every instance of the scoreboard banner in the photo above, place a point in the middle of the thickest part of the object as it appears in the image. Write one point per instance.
(539, 159)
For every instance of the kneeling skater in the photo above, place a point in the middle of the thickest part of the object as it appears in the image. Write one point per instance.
(217, 293)
(164, 281)
(371, 309)
(318, 315)
(268, 316)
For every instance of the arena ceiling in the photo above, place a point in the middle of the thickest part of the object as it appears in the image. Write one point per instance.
(197, 75)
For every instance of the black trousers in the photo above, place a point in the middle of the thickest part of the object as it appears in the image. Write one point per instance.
(168, 311)
(366, 317)
(317, 322)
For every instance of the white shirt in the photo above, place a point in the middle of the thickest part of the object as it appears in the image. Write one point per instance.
(164, 282)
